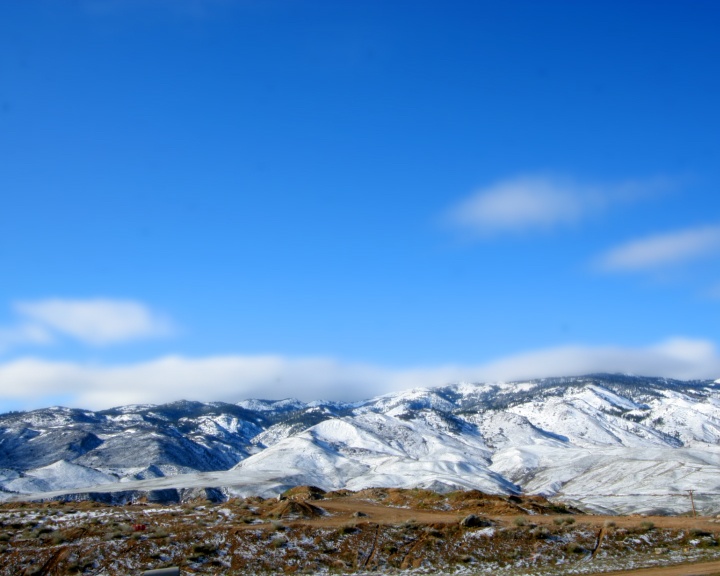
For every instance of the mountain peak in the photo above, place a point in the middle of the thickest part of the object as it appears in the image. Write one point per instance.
(596, 441)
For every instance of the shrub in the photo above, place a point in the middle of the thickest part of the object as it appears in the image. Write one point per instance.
(520, 521)
(410, 524)
(466, 559)
(348, 529)
(474, 521)
(574, 548)
(647, 525)
(708, 543)
(434, 532)
(204, 549)
(609, 524)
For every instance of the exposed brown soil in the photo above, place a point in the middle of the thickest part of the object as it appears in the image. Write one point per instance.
(699, 569)
(304, 493)
(382, 530)
(293, 509)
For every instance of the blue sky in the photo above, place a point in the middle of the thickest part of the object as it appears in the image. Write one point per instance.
(221, 199)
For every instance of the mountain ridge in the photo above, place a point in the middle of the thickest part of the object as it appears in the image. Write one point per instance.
(606, 442)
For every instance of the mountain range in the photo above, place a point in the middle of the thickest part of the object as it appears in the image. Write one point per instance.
(606, 443)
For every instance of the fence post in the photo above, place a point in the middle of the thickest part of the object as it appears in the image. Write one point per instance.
(692, 501)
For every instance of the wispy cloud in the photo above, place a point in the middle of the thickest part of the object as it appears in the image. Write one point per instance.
(533, 202)
(94, 321)
(232, 378)
(23, 334)
(662, 250)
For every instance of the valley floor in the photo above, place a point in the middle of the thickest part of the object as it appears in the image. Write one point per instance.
(375, 531)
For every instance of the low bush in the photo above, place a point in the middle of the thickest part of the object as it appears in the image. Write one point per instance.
(647, 525)
(40, 530)
(389, 548)
(434, 532)
(475, 521)
(278, 526)
(348, 529)
(574, 548)
(278, 542)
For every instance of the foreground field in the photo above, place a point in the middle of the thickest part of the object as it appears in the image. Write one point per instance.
(378, 530)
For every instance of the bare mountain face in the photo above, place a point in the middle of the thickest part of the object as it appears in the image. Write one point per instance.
(602, 442)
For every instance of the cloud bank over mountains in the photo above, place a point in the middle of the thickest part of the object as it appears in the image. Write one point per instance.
(520, 204)
(236, 377)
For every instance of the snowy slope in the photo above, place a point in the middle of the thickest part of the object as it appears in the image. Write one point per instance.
(606, 442)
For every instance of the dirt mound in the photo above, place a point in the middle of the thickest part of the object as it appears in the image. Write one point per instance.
(375, 494)
(295, 509)
(342, 493)
(415, 498)
(404, 497)
(475, 501)
(304, 493)
(464, 495)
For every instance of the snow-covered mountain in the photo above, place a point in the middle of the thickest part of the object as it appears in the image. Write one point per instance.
(603, 442)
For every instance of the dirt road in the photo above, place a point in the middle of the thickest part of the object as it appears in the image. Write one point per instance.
(703, 569)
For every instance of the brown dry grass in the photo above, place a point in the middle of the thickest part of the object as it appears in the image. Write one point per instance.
(398, 529)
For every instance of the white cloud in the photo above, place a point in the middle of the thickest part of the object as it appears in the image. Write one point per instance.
(23, 334)
(540, 202)
(232, 378)
(95, 321)
(681, 358)
(663, 249)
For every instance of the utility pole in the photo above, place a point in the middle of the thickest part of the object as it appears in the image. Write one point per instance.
(692, 501)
